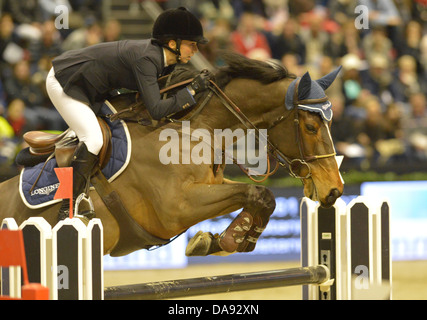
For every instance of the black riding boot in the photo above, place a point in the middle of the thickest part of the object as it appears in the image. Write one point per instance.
(83, 163)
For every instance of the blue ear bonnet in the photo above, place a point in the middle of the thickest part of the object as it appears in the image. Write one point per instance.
(309, 95)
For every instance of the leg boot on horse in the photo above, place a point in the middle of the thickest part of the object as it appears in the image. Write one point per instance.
(83, 163)
(243, 232)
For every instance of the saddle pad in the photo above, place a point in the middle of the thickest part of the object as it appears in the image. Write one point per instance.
(46, 187)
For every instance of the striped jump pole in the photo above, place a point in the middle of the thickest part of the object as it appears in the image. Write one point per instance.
(37, 234)
(354, 242)
(218, 284)
(67, 258)
(77, 252)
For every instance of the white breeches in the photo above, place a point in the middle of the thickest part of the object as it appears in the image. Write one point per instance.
(79, 116)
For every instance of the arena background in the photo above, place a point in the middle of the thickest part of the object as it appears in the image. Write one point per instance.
(372, 91)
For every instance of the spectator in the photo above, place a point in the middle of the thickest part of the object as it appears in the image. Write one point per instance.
(213, 10)
(25, 11)
(344, 132)
(12, 128)
(315, 39)
(376, 43)
(351, 78)
(414, 126)
(407, 79)
(6, 130)
(247, 37)
(379, 80)
(423, 59)
(326, 66)
(10, 48)
(342, 11)
(83, 37)
(240, 7)
(48, 46)
(372, 130)
(410, 43)
(17, 119)
(112, 30)
(289, 42)
(351, 39)
(8, 146)
(392, 147)
(290, 61)
(19, 85)
(219, 39)
(382, 13)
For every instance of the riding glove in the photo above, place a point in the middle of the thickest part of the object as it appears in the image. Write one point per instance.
(200, 83)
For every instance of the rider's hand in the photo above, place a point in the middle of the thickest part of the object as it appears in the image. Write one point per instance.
(200, 83)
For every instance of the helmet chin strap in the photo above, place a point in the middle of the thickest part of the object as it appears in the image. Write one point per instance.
(177, 52)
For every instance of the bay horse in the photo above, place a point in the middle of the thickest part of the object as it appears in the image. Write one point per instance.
(164, 200)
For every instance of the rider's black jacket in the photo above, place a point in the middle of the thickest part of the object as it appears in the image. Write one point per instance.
(89, 74)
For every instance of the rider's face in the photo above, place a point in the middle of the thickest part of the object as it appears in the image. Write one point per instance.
(188, 49)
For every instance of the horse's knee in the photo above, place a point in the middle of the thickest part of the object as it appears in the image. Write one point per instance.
(261, 198)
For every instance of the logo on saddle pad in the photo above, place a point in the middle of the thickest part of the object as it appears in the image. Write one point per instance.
(45, 190)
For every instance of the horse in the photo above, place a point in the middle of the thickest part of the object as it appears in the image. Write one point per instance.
(164, 200)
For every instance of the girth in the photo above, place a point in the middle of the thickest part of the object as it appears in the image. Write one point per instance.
(132, 236)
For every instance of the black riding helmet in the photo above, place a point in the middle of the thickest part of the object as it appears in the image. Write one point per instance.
(178, 24)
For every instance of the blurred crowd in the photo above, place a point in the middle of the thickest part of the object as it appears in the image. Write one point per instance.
(379, 100)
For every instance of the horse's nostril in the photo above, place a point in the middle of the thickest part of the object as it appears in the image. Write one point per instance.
(336, 193)
(333, 196)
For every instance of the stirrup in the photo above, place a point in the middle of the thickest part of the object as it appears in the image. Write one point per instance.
(86, 214)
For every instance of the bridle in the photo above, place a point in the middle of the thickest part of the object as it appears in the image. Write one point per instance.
(293, 165)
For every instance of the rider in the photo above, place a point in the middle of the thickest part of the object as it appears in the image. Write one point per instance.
(80, 80)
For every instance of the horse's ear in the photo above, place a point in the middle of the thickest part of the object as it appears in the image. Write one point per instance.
(304, 86)
(327, 80)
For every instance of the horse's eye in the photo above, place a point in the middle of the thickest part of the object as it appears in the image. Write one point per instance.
(311, 128)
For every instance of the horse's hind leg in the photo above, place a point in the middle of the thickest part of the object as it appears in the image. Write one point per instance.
(241, 235)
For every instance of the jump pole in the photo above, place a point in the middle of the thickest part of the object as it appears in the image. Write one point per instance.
(220, 284)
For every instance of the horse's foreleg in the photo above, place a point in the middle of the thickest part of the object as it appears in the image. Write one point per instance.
(258, 204)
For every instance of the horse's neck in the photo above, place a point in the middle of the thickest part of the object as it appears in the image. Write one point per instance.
(261, 104)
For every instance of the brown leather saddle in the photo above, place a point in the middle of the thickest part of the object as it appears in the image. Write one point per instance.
(63, 145)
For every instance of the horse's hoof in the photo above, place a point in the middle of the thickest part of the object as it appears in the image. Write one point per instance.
(200, 244)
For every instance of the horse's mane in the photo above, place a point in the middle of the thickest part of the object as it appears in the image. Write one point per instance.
(238, 66)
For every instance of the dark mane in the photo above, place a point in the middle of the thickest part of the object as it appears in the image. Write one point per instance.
(238, 66)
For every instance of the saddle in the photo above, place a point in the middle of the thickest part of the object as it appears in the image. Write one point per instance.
(63, 145)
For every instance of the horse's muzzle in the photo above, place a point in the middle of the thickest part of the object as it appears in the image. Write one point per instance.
(331, 198)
